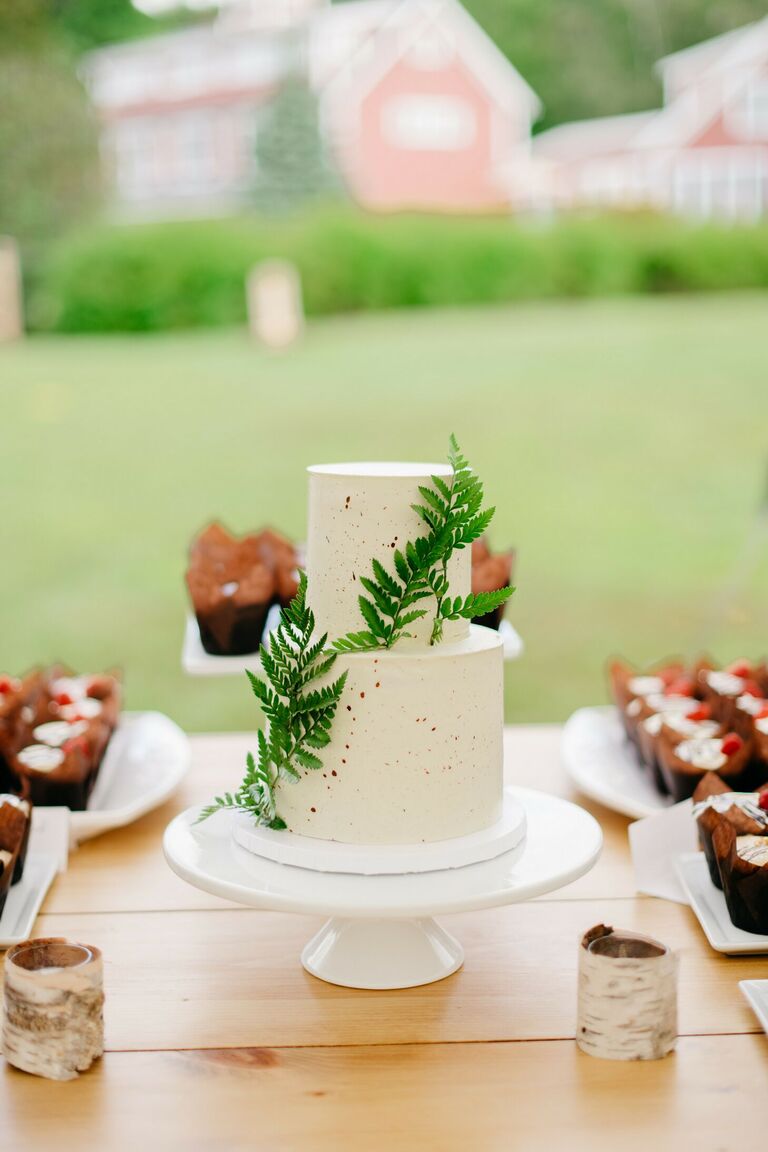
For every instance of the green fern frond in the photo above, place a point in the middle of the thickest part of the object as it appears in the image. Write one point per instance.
(454, 517)
(298, 719)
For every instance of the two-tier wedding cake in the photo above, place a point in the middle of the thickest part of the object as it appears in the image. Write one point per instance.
(384, 704)
(416, 745)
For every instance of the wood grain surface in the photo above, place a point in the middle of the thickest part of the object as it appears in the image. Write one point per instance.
(217, 1038)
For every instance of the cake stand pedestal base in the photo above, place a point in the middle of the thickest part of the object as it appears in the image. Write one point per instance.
(382, 953)
(381, 933)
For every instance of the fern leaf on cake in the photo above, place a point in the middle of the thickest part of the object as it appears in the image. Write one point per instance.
(298, 720)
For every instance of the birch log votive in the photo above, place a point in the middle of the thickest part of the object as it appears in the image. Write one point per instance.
(53, 1024)
(627, 996)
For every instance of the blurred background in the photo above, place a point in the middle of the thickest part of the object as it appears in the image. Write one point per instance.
(540, 224)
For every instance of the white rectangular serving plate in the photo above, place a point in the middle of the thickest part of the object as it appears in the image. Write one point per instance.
(25, 898)
(709, 905)
(195, 661)
(756, 993)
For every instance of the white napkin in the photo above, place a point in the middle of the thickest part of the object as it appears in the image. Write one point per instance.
(655, 842)
(49, 835)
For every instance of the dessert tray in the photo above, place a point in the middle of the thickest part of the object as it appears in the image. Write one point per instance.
(146, 759)
(709, 905)
(382, 933)
(756, 993)
(603, 765)
(195, 661)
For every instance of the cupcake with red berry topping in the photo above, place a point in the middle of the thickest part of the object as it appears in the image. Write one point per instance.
(724, 688)
(683, 764)
(677, 699)
(743, 864)
(15, 821)
(631, 690)
(713, 802)
(760, 735)
(10, 704)
(57, 769)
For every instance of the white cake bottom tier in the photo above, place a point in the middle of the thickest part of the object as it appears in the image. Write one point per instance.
(416, 748)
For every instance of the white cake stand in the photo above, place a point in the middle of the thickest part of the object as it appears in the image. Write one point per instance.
(382, 933)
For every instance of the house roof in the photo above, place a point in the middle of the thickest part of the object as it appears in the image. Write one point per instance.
(583, 139)
(387, 29)
(718, 54)
(688, 113)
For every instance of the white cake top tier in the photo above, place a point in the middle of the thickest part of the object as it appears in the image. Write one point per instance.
(358, 512)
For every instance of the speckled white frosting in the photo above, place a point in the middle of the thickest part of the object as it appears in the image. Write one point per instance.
(416, 748)
(358, 512)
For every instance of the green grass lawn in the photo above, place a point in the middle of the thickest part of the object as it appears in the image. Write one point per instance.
(624, 444)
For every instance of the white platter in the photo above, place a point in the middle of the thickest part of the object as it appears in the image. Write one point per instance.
(146, 760)
(195, 661)
(756, 992)
(604, 766)
(24, 899)
(383, 859)
(381, 933)
(709, 905)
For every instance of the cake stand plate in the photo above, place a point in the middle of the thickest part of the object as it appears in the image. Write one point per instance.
(384, 859)
(381, 933)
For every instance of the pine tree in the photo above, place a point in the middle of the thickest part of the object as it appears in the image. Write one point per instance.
(292, 163)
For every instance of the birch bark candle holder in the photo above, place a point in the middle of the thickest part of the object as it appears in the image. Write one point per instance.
(53, 1024)
(627, 996)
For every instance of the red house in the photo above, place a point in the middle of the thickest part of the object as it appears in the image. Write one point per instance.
(704, 154)
(420, 108)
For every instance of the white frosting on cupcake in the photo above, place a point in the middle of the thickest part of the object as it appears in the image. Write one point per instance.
(74, 686)
(685, 727)
(723, 801)
(634, 708)
(682, 704)
(57, 732)
(762, 725)
(725, 683)
(702, 752)
(645, 685)
(750, 704)
(88, 708)
(753, 849)
(41, 758)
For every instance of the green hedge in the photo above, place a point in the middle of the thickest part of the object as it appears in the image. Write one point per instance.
(191, 274)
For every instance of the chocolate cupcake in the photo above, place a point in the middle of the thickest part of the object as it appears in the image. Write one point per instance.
(670, 714)
(14, 837)
(630, 691)
(232, 589)
(280, 555)
(15, 824)
(743, 864)
(490, 572)
(685, 763)
(713, 802)
(760, 732)
(10, 704)
(56, 773)
(723, 688)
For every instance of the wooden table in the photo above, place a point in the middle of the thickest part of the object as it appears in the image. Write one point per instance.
(218, 1039)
